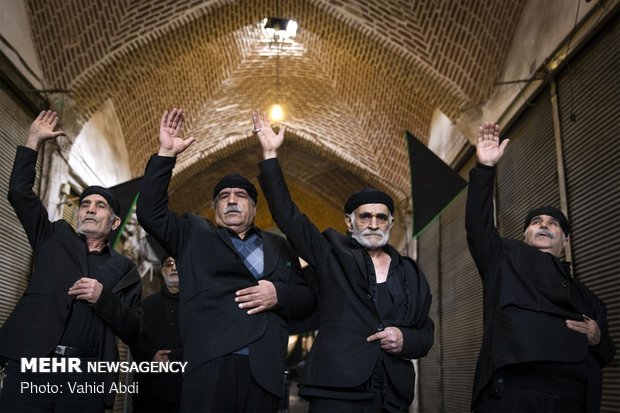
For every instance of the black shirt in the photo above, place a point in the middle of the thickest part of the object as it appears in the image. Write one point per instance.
(84, 328)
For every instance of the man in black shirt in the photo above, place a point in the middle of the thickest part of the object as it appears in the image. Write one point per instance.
(373, 301)
(80, 296)
(545, 333)
(161, 342)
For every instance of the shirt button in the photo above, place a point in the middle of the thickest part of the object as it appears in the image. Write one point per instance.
(380, 328)
(500, 380)
(564, 284)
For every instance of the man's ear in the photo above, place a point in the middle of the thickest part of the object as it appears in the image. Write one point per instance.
(116, 223)
(392, 224)
(348, 222)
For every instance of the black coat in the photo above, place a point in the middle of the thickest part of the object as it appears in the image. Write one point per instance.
(161, 332)
(527, 298)
(211, 269)
(340, 356)
(37, 322)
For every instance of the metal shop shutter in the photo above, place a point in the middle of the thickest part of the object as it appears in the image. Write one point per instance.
(461, 310)
(429, 368)
(16, 255)
(589, 100)
(527, 174)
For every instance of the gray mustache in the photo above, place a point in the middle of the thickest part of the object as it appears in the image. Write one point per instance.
(373, 232)
(232, 208)
(544, 232)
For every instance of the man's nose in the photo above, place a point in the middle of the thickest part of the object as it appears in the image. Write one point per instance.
(374, 222)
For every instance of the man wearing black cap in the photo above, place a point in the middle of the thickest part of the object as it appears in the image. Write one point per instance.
(80, 296)
(545, 334)
(160, 342)
(239, 287)
(373, 301)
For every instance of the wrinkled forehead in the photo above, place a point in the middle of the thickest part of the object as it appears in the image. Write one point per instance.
(372, 209)
(544, 218)
(236, 191)
(96, 198)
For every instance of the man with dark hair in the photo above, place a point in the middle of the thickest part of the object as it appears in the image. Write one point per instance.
(80, 295)
(239, 287)
(545, 333)
(373, 302)
(160, 342)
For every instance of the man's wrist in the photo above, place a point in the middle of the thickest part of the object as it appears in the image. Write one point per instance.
(270, 154)
(32, 144)
(166, 152)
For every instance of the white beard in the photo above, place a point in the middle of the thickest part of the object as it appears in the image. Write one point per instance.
(370, 243)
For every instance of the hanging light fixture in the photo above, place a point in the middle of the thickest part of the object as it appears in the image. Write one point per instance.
(278, 30)
(276, 113)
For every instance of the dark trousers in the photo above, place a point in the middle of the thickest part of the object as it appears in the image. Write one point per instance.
(521, 392)
(48, 392)
(515, 400)
(225, 384)
(325, 405)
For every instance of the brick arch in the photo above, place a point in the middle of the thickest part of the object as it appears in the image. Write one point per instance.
(366, 75)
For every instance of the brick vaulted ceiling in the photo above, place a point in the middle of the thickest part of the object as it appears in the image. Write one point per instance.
(357, 76)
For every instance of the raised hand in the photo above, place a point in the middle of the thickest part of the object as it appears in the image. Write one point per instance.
(42, 129)
(170, 129)
(488, 149)
(266, 136)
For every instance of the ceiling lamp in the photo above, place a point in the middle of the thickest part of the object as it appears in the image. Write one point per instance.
(279, 29)
(276, 113)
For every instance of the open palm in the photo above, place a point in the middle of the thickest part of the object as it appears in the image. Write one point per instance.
(170, 130)
(42, 128)
(269, 140)
(488, 148)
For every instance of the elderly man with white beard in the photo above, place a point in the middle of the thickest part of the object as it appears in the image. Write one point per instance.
(373, 301)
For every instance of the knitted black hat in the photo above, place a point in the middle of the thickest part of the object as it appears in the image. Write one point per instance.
(236, 181)
(368, 196)
(552, 212)
(104, 192)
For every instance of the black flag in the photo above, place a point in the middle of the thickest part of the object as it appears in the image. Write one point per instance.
(433, 184)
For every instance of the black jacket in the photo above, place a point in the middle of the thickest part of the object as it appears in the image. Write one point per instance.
(527, 298)
(340, 356)
(37, 322)
(212, 324)
(161, 332)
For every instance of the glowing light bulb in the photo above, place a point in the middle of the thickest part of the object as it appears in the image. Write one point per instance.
(276, 113)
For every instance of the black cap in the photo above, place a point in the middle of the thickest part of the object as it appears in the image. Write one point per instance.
(368, 196)
(552, 212)
(104, 192)
(236, 181)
